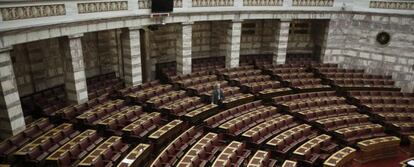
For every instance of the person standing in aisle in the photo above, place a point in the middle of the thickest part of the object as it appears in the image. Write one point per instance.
(217, 96)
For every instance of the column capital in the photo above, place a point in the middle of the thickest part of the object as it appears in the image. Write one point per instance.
(6, 49)
(285, 20)
(73, 36)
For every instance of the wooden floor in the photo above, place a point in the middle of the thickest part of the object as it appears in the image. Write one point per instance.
(389, 162)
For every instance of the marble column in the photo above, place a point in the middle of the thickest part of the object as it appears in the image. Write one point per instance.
(75, 79)
(233, 44)
(280, 46)
(132, 56)
(183, 57)
(11, 113)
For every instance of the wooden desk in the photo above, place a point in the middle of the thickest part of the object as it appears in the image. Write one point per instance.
(251, 132)
(275, 141)
(99, 151)
(224, 157)
(356, 128)
(259, 158)
(54, 157)
(43, 138)
(310, 144)
(137, 156)
(113, 118)
(258, 112)
(136, 124)
(173, 143)
(378, 148)
(289, 163)
(166, 128)
(340, 158)
(191, 154)
(200, 111)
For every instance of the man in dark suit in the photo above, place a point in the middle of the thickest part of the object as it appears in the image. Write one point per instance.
(217, 96)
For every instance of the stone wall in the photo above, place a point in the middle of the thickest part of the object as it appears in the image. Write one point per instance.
(219, 38)
(351, 42)
(201, 39)
(90, 54)
(39, 65)
(258, 39)
(108, 51)
(300, 37)
(208, 40)
(163, 41)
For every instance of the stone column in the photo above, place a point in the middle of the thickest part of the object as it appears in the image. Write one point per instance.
(233, 44)
(11, 114)
(75, 79)
(183, 57)
(132, 56)
(280, 46)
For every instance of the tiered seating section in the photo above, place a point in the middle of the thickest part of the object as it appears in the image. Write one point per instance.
(39, 148)
(112, 149)
(137, 156)
(202, 151)
(318, 148)
(203, 84)
(70, 153)
(331, 113)
(173, 152)
(33, 130)
(143, 126)
(232, 155)
(299, 78)
(261, 158)
(44, 102)
(261, 132)
(47, 102)
(287, 140)
(341, 158)
(351, 79)
(236, 120)
(378, 148)
(394, 108)
(103, 84)
(251, 80)
(141, 93)
(174, 124)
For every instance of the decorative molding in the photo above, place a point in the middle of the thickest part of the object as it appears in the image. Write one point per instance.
(93, 7)
(178, 3)
(144, 4)
(262, 2)
(392, 5)
(28, 12)
(319, 3)
(212, 3)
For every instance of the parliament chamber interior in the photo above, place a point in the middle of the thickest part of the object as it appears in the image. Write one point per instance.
(194, 83)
